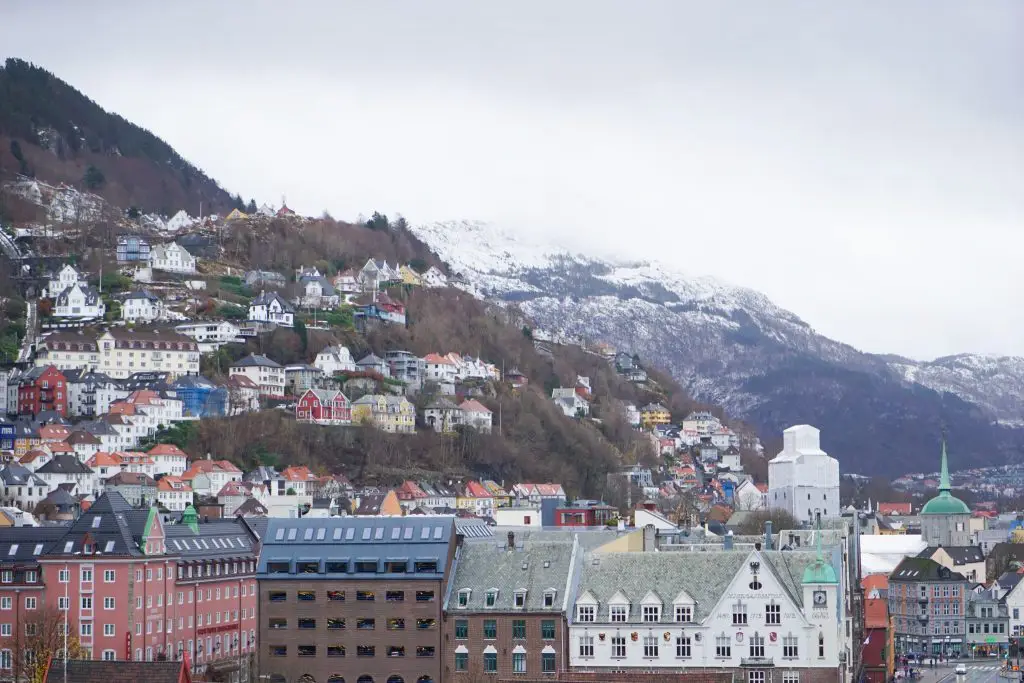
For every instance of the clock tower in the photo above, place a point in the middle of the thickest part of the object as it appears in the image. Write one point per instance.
(821, 606)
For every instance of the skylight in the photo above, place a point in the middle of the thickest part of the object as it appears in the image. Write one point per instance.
(321, 533)
(366, 533)
(438, 532)
(408, 533)
(378, 533)
(425, 533)
(337, 534)
(109, 548)
(279, 536)
(292, 533)
(350, 533)
(38, 549)
(396, 533)
(68, 546)
(96, 521)
(14, 550)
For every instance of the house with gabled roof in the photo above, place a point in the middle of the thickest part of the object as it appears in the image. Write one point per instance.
(323, 406)
(79, 301)
(270, 307)
(142, 306)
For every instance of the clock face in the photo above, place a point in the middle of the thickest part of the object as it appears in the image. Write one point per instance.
(820, 598)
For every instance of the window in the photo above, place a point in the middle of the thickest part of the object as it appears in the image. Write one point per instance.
(306, 623)
(461, 629)
(790, 677)
(547, 662)
(549, 598)
(5, 603)
(335, 624)
(424, 596)
(464, 598)
(275, 596)
(277, 623)
(739, 614)
(586, 646)
(30, 603)
(84, 629)
(365, 650)
(5, 630)
(365, 596)
(490, 629)
(618, 647)
(773, 614)
(394, 596)
(723, 647)
(518, 662)
(461, 661)
(425, 651)
(63, 575)
(63, 603)
(5, 659)
(396, 624)
(306, 596)
(683, 649)
(684, 613)
(366, 624)
(425, 624)
(547, 629)
(789, 647)
(396, 651)
(335, 650)
(519, 598)
(756, 677)
(490, 662)
(425, 567)
(585, 612)
(757, 645)
(651, 646)
(652, 613)
(307, 650)
(821, 646)
(618, 612)
(108, 629)
(519, 628)
(491, 598)
(336, 596)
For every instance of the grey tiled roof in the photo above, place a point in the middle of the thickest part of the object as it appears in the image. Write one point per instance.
(227, 538)
(704, 576)
(535, 568)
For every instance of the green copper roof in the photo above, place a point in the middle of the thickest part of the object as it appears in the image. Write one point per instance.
(945, 503)
(821, 571)
(190, 518)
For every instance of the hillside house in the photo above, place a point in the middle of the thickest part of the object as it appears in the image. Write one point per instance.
(211, 335)
(406, 367)
(284, 212)
(173, 258)
(268, 375)
(636, 375)
(632, 414)
(301, 376)
(750, 496)
(68, 350)
(374, 363)
(269, 307)
(433, 277)
(66, 277)
(625, 362)
(209, 476)
(516, 379)
(168, 459)
(67, 469)
(179, 221)
(132, 249)
(477, 416)
(142, 306)
(79, 301)
(535, 493)
(332, 359)
(477, 499)
(376, 273)
(139, 490)
(324, 407)
(380, 310)
(410, 277)
(243, 395)
(124, 352)
(347, 283)
(20, 487)
(317, 292)
(235, 215)
(440, 370)
(388, 413)
(442, 415)
(42, 389)
(654, 414)
(570, 402)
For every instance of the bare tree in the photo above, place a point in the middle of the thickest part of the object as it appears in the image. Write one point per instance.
(39, 638)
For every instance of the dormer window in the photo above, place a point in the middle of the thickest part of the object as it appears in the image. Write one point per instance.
(586, 613)
(684, 614)
(618, 613)
(464, 597)
(652, 613)
(549, 597)
(520, 598)
(491, 598)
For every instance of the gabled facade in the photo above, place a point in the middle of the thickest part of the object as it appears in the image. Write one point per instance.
(269, 307)
(654, 414)
(389, 413)
(43, 389)
(323, 406)
(803, 479)
(172, 257)
(143, 307)
(66, 277)
(124, 352)
(132, 248)
(332, 359)
(79, 301)
(268, 375)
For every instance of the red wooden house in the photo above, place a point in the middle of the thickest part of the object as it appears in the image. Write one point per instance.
(322, 406)
(43, 388)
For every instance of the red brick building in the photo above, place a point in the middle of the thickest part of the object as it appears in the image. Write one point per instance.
(43, 388)
(136, 589)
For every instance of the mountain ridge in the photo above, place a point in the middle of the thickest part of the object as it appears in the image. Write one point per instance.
(735, 347)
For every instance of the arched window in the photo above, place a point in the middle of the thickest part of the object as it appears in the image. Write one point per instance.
(424, 679)
(335, 678)
(396, 679)
(365, 679)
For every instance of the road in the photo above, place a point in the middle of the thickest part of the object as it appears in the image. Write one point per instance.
(25, 352)
(979, 671)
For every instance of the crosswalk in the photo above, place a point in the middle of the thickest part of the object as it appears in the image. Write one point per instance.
(982, 667)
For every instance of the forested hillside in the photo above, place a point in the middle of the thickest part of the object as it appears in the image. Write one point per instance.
(52, 131)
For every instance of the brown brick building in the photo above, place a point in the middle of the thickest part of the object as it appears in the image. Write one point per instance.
(354, 599)
(505, 612)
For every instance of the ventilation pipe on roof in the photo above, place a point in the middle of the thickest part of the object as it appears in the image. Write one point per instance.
(728, 540)
(511, 541)
(768, 535)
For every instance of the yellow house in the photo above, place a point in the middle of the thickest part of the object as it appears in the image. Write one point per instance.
(410, 276)
(500, 495)
(236, 215)
(654, 414)
(389, 413)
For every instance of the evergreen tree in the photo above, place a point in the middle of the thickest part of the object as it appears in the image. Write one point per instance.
(251, 207)
(378, 221)
(94, 178)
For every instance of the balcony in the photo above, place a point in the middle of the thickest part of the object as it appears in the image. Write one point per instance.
(757, 662)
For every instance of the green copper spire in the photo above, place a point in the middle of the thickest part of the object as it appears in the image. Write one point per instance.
(190, 518)
(944, 476)
(821, 571)
(945, 503)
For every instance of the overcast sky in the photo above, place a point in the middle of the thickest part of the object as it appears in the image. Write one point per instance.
(862, 163)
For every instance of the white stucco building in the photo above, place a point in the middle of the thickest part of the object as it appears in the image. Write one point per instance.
(268, 375)
(64, 278)
(803, 479)
(209, 335)
(79, 301)
(142, 306)
(332, 359)
(269, 307)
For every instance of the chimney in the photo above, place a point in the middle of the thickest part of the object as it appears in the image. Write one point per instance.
(650, 538)
(768, 535)
(728, 540)
(511, 541)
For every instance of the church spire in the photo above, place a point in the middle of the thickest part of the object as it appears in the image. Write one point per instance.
(944, 472)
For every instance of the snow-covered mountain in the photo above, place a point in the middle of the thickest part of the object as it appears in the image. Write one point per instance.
(732, 346)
